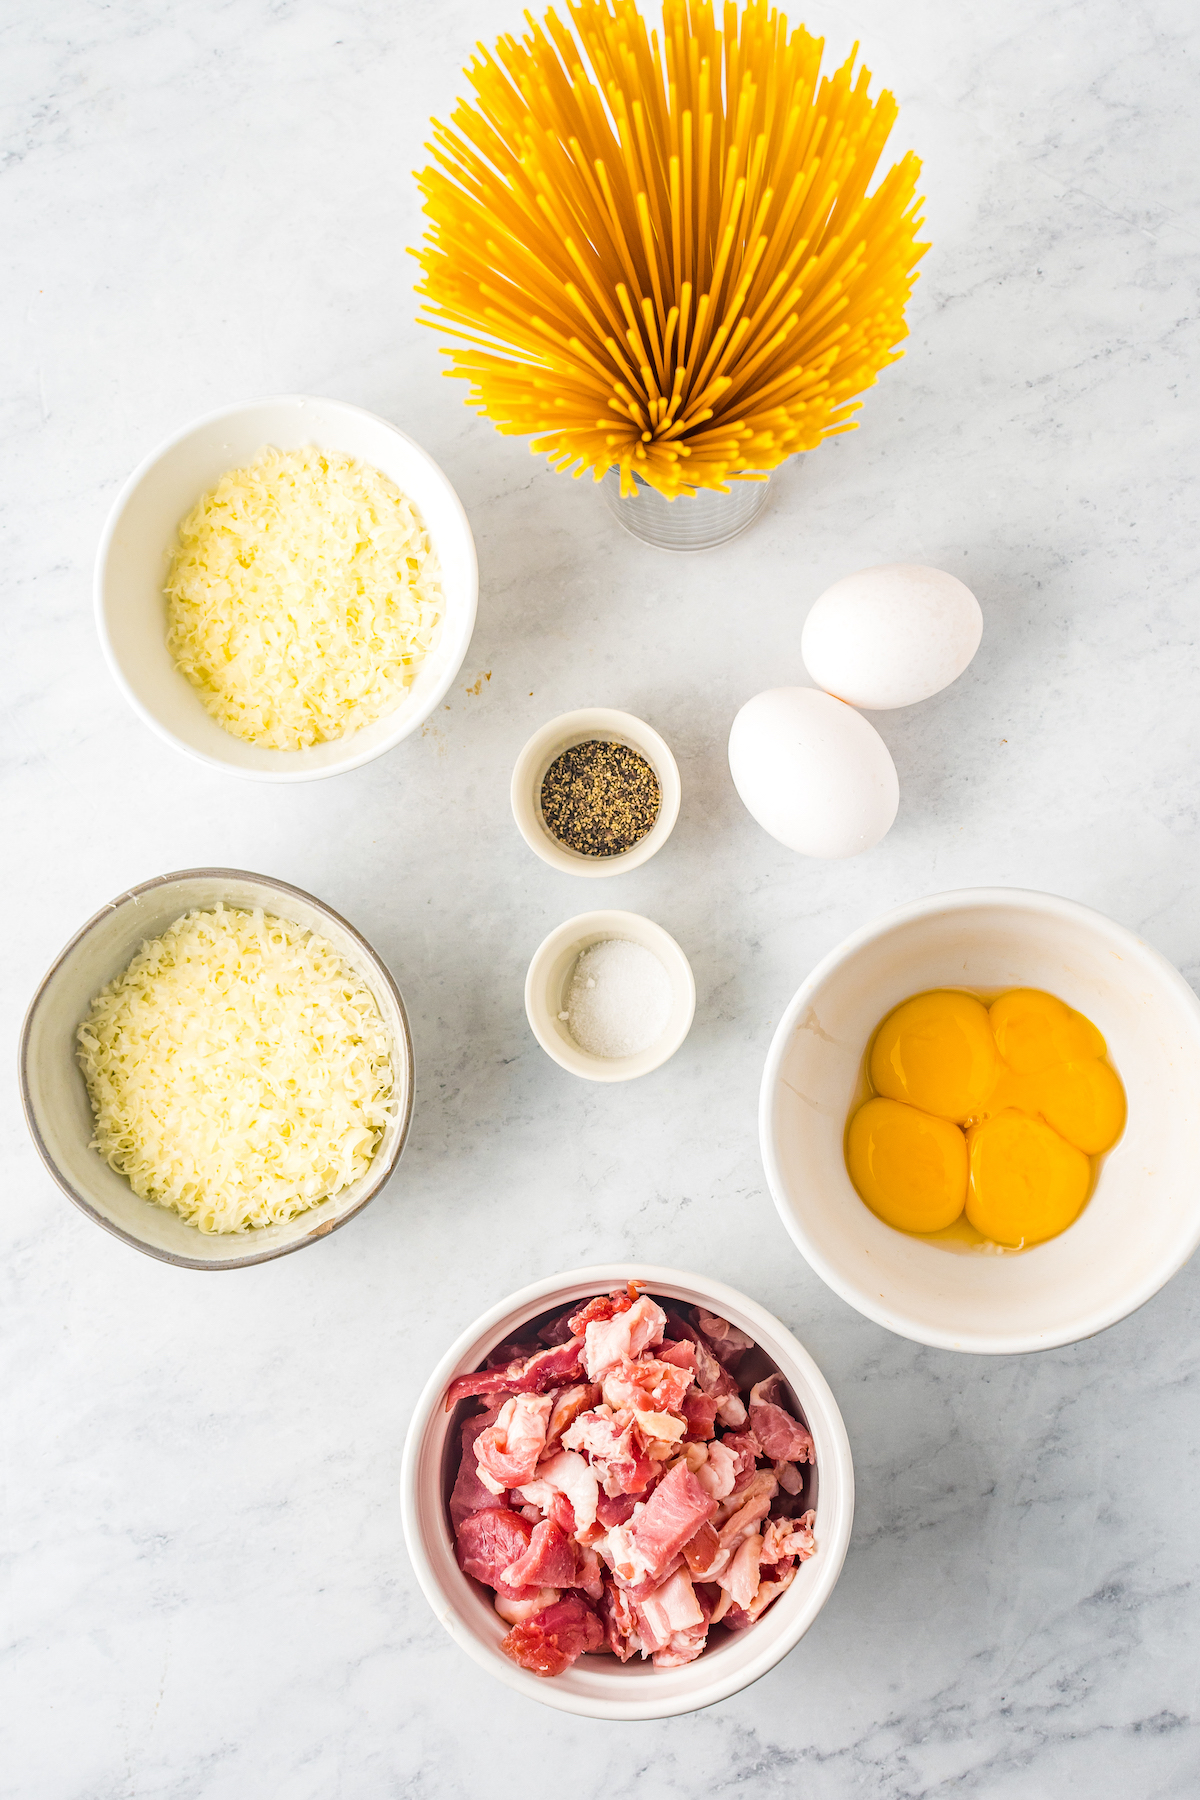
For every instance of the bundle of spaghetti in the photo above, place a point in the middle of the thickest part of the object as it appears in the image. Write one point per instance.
(658, 250)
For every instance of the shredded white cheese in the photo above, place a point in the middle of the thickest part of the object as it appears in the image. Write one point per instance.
(302, 598)
(239, 1072)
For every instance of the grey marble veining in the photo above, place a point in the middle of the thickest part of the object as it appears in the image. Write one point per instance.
(206, 1591)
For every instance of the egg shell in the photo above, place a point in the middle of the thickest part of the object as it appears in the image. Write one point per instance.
(891, 636)
(813, 772)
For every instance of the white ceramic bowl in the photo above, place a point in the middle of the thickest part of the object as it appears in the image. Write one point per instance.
(135, 553)
(550, 972)
(54, 1094)
(600, 1687)
(546, 745)
(1143, 1221)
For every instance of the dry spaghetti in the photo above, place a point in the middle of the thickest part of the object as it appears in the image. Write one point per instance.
(660, 252)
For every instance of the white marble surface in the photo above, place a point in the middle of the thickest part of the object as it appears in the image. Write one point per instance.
(207, 1592)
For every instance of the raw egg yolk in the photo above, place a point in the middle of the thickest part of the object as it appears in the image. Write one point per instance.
(936, 1052)
(1034, 1031)
(1084, 1101)
(910, 1168)
(1027, 1183)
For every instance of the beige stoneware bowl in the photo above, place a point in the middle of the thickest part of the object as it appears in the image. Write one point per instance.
(600, 1687)
(1143, 1220)
(135, 552)
(59, 1114)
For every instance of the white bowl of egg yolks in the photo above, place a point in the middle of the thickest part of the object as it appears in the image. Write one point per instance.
(1142, 1221)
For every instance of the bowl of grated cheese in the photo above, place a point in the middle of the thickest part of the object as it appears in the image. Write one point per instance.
(286, 588)
(218, 1069)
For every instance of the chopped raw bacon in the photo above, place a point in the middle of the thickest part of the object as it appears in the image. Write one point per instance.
(620, 1621)
(614, 1509)
(671, 1607)
(782, 1437)
(538, 1599)
(490, 1381)
(589, 1574)
(746, 1447)
(568, 1404)
(508, 1451)
(725, 1600)
(702, 1551)
(769, 1591)
(549, 1561)
(728, 1344)
(718, 1472)
(563, 1514)
(634, 1383)
(744, 1509)
(552, 1640)
(513, 1350)
(693, 1454)
(652, 1504)
(789, 1537)
(545, 1369)
(732, 1536)
(673, 1623)
(623, 1337)
(789, 1477)
(660, 1432)
(711, 1378)
(470, 1495)
(673, 1514)
(565, 1473)
(610, 1448)
(603, 1306)
(637, 1590)
(700, 1411)
(740, 1574)
(684, 1647)
(731, 1411)
(486, 1544)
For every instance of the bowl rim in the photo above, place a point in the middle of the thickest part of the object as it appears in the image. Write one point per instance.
(328, 1226)
(580, 1062)
(100, 605)
(892, 1317)
(836, 1469)
(595, 720)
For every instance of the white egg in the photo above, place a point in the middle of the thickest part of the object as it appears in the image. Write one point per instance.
(813, 772)
(891, 636)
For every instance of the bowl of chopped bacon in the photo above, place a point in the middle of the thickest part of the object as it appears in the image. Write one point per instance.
(627, 1491)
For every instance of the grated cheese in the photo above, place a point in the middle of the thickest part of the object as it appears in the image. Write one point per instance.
(302, 598)
(238, 1071)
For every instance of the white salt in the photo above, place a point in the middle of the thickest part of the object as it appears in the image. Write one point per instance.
(618, 1000)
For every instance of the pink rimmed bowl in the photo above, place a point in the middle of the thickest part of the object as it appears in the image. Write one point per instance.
(600, 1687)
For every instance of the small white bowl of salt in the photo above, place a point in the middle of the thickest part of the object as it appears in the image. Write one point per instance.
(610, 995)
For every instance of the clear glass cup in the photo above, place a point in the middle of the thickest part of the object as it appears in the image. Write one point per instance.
(696, 522)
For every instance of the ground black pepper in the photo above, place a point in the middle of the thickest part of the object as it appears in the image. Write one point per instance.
(600, 798)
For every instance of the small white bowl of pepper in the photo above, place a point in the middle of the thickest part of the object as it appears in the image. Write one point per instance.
(595, 792)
